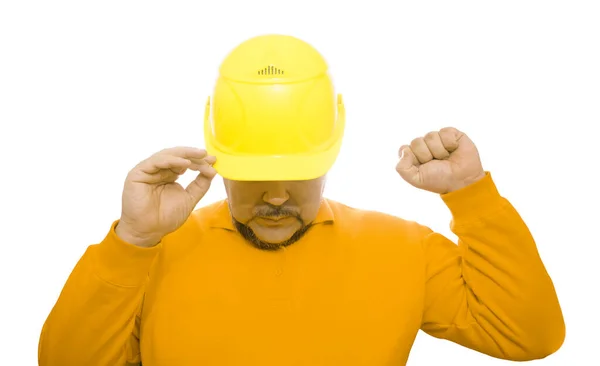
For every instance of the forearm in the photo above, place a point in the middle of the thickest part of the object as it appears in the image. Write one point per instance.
(490, 293)
(94, 320)
(510, 293)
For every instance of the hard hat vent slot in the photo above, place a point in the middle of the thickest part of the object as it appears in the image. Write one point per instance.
(270, 70)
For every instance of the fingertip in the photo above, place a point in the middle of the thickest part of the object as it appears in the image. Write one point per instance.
(207, 172)
(201, 153)
(210, 159)
(188, 152)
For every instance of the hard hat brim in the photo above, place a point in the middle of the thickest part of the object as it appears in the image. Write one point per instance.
(274, 168)
(291, 167)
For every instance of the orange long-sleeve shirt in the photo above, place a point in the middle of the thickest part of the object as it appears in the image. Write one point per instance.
(354, 291)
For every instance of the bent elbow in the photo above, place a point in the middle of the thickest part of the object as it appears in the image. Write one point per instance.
(552, 343)
(545, 332)
(545, 344)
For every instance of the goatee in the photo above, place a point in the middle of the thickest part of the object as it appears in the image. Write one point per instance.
(250, 237)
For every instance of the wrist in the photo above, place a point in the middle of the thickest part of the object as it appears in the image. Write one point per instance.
(470, 181)
(120, 263)
(130, 236)
(474, 201)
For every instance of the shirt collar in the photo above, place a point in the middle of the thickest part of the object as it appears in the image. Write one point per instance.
(221, 216)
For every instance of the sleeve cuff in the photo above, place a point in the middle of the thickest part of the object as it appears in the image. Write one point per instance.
(474, 201)
(121, 263)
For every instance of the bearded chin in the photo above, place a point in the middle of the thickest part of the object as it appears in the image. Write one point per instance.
(251, 238)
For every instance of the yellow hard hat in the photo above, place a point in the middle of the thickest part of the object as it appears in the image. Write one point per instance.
(274, 114)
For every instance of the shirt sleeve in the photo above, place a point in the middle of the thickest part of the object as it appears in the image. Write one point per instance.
(95, 320)
(491, 292)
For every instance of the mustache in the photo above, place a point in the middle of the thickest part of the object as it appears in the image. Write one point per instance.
(276, 212)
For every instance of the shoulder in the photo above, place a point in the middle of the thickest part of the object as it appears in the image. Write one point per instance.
(376, 223)
(382, 241)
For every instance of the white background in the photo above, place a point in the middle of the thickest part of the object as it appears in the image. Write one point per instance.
(87, 89)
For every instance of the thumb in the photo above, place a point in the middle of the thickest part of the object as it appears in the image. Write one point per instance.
(200, 185)
(408, 166)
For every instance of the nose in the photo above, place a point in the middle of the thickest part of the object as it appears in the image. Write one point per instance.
(276, 195)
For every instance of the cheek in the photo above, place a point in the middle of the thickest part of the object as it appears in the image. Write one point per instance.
(240, 214)
(309, 197)
(309, 212)
(239, 210)
(242, 199)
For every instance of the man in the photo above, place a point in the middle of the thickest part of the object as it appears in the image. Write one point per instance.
(278, 275)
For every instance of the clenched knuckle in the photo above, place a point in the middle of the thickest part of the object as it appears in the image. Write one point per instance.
(431, 135)
(416, 141)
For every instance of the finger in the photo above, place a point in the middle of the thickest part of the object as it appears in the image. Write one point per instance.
(162, 176)
(450, 137)
(208, 171)
(407, 157)
(171, 175)
(435, 145)
(184, 152)
(408, 166)
(196, 165)
(210, 159)
(161, 161)
(180, 171)
(199, 186)
(408, 160)
(164, 168)
(421, 151)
